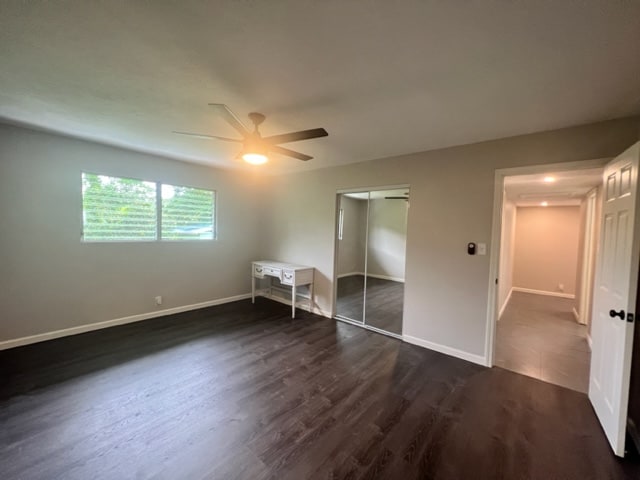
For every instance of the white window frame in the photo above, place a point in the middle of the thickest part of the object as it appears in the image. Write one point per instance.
(158, 238)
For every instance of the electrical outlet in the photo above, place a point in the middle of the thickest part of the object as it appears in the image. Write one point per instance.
(561, 287)
(159, 300)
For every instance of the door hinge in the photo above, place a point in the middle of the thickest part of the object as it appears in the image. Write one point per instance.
(630, 317)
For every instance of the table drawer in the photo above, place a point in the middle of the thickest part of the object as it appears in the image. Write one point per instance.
(258, 271)
(274, 272)
(288, 277)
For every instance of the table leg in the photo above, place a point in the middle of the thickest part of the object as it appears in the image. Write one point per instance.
(311, 297)
(253, 289)
(293, 302)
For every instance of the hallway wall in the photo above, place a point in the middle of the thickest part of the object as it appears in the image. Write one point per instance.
(546, 249)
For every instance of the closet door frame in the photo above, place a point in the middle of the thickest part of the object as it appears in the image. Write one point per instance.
(335, 254)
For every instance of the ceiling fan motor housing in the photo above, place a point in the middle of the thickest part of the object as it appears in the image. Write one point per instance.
(256, 118)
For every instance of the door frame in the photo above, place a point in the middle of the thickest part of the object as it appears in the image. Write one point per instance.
(588, 259)
(334, 290)
(493, 308)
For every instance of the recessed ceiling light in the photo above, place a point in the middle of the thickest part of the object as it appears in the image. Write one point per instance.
(549, 180)
(544, 204)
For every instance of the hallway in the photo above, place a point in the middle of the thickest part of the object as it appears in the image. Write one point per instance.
(538, 336)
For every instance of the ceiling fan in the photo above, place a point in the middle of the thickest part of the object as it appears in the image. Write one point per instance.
(255, 147)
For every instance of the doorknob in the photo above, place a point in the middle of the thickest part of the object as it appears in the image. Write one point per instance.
(613, 314)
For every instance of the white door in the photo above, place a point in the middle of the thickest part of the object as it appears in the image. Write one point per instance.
(615, 297)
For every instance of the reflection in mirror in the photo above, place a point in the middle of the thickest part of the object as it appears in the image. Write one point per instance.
(352, 238)
(386, 247)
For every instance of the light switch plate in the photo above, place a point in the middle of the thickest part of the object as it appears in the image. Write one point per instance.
(482, 249)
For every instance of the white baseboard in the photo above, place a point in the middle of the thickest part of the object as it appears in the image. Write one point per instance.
(576, 314)
(589, 342)
(504, 305)
(454, 352)
(302, 306)
(41, 337)
(372, 275)
(350, 274)
(265, 293)
(386, 277)
(543, 292)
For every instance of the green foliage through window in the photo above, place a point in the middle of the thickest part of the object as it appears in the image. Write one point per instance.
(187, 213)
(125, 209)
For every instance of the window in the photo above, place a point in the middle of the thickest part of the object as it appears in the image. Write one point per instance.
(126, 209)
(187, 213)
(118, 209)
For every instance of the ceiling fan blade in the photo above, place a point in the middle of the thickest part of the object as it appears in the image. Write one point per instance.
(208, 137)
(296, 136)
(230, 117)
(289, 153)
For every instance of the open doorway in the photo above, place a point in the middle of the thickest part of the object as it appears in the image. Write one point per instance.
(547, 255)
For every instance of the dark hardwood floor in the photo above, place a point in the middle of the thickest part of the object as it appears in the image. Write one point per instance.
(350, 297)
(384, 301)
(242, 391)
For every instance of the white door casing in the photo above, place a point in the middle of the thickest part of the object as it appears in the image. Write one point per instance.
(614, 292)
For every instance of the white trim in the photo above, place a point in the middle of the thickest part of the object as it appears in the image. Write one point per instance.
(543, 292)
(375, 188)
(589, 341)
(454, 352)
(504, 305)
(372, 275)
(367, 327)
(350, 274)
(303, 306)
(386, 277)
(589, 254)
(41, 337)
(498, 200)
(576, 314)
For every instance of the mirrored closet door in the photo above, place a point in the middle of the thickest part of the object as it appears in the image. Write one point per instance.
(371, 242)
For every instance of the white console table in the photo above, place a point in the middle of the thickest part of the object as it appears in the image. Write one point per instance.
(288, 274)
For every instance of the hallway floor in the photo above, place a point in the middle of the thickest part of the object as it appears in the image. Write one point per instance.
(538, 336)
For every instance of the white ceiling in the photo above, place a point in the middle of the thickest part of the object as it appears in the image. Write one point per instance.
(567, 188)
(384, 78)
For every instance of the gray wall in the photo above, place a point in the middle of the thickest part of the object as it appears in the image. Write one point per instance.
(49, 280)
(451, 204)
(351, 251)
(387, 238)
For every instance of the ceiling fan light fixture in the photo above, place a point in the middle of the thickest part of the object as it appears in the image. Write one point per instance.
(255, 158)
(255, 153)
(255, 146)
